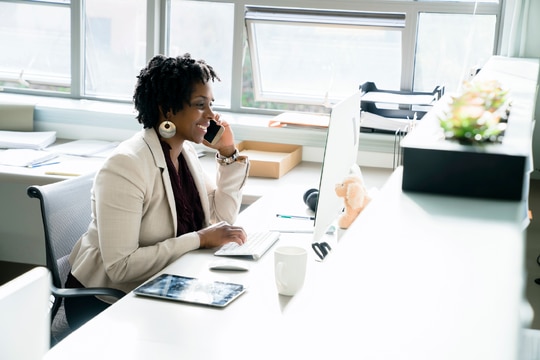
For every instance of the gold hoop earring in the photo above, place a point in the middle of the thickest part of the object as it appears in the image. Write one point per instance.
(167, 129)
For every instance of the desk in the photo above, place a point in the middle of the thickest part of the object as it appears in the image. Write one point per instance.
(417, 277)
(21, 232)
(21, 229)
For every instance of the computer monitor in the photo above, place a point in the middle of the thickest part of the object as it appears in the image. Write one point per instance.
(340, 154)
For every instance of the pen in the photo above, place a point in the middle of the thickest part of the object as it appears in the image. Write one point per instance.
(60, 173)
(290, 231)
(43, 164)
(295, 217)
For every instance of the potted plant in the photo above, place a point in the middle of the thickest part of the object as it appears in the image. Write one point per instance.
(478, 114)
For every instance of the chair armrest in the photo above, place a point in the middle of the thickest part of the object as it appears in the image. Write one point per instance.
(87, 292)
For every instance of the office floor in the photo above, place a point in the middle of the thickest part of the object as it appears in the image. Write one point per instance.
(10, 270)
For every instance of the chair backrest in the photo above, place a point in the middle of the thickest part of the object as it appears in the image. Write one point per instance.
(24, 315)
(66, 213)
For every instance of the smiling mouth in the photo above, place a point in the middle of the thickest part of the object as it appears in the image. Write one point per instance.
(202, 127)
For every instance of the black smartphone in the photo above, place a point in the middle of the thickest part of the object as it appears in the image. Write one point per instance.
(213, 132)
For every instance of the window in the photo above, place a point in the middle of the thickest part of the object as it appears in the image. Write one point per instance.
(205, 30)
(320, 57)
(39, 49)
(114, 47)
(448, 46)
(306, 56)
(302, 54)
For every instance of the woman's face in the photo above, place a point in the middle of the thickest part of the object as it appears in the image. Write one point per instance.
(191, 122)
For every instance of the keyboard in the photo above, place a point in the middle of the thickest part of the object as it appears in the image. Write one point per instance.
(254, 248)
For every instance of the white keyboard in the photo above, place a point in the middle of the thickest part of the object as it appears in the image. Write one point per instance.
(256, 245)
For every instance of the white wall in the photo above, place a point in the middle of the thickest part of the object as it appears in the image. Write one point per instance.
(532, 50)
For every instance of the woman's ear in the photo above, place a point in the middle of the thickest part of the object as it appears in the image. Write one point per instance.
(165, 114)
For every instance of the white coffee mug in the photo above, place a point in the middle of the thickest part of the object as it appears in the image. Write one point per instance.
(290, 269)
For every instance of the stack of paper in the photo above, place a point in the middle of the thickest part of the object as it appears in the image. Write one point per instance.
(392, 111)
(26, 139)
(393, 98)
(84, 147)
(25, 157)
(296, 119)
(382, 123)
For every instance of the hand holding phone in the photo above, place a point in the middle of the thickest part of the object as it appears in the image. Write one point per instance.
(213, 132)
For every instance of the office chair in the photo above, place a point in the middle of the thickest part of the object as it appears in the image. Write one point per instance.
(66, 214)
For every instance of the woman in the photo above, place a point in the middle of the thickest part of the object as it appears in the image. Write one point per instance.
(151, 200)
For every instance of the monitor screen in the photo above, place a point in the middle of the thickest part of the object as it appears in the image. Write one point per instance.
(339, 160)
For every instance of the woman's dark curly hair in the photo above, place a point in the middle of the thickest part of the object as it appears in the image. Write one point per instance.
(167, 83)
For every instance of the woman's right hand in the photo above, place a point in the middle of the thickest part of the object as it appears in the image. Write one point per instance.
(221, 233)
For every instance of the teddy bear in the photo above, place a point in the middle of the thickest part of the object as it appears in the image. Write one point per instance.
(355, 198)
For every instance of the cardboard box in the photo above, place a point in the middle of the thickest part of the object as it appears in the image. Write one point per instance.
(269, 159)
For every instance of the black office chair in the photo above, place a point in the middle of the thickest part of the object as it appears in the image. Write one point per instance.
(66, 214)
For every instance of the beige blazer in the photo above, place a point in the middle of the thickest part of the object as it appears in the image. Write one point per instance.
(132, 233)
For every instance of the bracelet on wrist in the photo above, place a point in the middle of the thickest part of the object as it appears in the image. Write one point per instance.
(227, 160)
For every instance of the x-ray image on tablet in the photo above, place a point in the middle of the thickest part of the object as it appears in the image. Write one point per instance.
(191, 290)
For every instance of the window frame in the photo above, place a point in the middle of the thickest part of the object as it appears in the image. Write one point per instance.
(411, 9)
(40, 3)
(352, 20)
(156, 35)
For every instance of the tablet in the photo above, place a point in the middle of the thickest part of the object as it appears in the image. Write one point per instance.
(191, 290)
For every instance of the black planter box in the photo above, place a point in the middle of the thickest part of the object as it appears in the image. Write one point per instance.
(464, 173)
(433, 164)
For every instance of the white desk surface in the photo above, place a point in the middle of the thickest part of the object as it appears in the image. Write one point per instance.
(305, 174)
(21, 235)
(415, 277)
